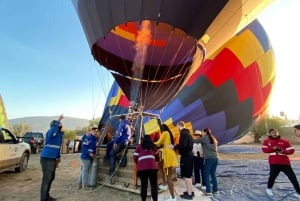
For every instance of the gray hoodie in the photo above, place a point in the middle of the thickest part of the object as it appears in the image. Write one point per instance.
(209, 150)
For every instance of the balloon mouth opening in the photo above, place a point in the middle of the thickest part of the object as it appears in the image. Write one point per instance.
(145, 80)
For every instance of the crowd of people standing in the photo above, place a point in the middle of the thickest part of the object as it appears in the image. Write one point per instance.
(146, 155)
(196, 154)
(189, 154)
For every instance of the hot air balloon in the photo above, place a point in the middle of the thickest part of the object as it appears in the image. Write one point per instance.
(189, 60)
(227, 93)
(151, 47)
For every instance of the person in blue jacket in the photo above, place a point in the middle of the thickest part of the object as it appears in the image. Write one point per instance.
(88, 154)
(50, 157)
(119, 141)
(88, 132)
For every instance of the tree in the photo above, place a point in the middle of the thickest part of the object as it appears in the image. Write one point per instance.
(94, 122)
(69, 134)
(20, 129)
(262, 127)
(82, 131)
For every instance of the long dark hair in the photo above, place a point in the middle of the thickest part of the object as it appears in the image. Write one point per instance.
(212, 138)
(147, 143)
(163, 128)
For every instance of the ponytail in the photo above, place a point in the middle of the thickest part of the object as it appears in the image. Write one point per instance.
(212, 138)
(164, 127)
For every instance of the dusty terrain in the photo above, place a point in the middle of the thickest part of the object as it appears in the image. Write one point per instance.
(254, 156)
(26, 186)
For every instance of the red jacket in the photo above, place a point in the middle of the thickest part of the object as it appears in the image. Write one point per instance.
(278, 157)
(145, 159)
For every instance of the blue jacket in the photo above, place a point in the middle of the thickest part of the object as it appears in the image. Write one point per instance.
(84, 137)
(54, 139)
(89, 145)
(123, 133)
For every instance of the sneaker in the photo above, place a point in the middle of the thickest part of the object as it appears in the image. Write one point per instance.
(207, 195)
(186, 196)
(110, 173)
(197, 185)
(193, 194)
(269, 192)
(297, 196)
(49, 198)
(171, 199)
(163, 187)
(203, 188)
(216, 193)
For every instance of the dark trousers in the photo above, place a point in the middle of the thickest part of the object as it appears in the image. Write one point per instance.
(48, 168)
(150, 175)
(199, 170)
(288, 171)
(111, 153)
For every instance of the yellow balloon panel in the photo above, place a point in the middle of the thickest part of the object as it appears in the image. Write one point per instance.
(266, 67)
(245, 42)
(3, 117)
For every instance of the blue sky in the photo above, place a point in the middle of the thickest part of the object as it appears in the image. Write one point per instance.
(46, 65)
(47, 68)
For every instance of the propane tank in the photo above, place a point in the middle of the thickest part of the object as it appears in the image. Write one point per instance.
(92, 181)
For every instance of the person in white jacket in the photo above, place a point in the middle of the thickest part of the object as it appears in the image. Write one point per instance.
(198, 162)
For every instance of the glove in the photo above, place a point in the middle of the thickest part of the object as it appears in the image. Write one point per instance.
(277, 148)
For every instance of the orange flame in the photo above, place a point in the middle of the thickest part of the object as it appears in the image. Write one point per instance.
(143, 40)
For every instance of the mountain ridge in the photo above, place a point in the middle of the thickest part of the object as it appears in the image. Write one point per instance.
(42, 123)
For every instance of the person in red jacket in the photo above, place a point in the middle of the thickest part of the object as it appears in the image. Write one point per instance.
(279, 149)
(145, 157)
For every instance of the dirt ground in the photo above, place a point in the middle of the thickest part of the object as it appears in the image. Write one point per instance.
(254, 156)
(25, 186)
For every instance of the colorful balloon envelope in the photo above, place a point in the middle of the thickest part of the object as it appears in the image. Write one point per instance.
(228, 92)
(152, 47)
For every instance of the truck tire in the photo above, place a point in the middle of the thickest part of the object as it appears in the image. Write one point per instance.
(23, 163)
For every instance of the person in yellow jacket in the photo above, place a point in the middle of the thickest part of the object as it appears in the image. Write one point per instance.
(169, 157)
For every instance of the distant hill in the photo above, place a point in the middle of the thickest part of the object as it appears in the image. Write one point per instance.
(42, 123)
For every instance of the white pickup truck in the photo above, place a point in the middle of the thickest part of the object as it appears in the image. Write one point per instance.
(14, 153)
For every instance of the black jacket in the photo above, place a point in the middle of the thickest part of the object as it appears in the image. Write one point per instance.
(185, 145)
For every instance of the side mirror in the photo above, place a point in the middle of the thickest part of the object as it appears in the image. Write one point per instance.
(20, 139)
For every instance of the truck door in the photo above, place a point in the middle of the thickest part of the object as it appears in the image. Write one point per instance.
(9, 150)
(3, 150)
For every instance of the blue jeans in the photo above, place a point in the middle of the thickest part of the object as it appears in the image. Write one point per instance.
(111, 153)
(84, 174)
(210, 167)
(48, 168)
(108, 149)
